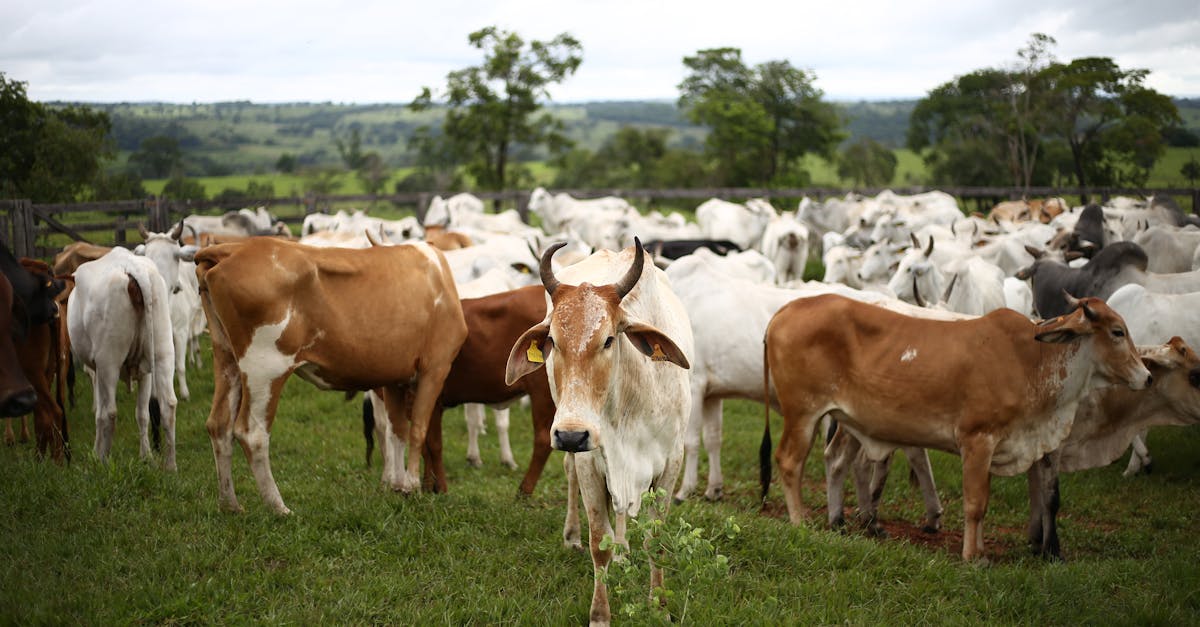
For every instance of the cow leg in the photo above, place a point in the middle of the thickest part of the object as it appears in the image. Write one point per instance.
(24, 437)
(571, 536)
(918, 462)
(167, 405)
(429, 388)
(227, 395)
(713, 425)
(840, 453)
(260, 400)
(145, 390)
(181, 367)
(9, 437)
(502, 422)
(435, 471)
(977, 460)
(542, 414)
(691, 446)
(104, 395)
(794, 445)
(869, 478)
(384, 435)
(1043, 506)
(1139, 455)
(476, 416)
(594, 493)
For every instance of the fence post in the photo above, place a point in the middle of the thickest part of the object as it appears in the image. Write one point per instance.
(24, 234)
(1196, 200)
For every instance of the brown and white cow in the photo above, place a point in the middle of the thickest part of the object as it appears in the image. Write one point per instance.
(387, 316)
(997, 390)
(615, 344)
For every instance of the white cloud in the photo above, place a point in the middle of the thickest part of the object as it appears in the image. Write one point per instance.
(187, 50)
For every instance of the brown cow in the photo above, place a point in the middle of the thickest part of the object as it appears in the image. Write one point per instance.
(17, 396)
(493, 325)
(38, 352)
(440, 238)
(387, 316)
(997, 390)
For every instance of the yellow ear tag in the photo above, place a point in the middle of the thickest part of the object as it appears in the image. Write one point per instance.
(534, 354)
(658, 354)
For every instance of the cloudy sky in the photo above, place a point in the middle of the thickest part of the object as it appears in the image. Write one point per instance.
(365, 51)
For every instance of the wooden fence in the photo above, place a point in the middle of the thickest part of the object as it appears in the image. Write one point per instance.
(40, 230)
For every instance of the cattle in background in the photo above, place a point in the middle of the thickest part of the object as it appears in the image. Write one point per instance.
(493, 325)
(243, 222)
(119, 323)
(611, 328)
(446, 212)
(560, 211)
(997, 390)
(785, 243)
(1116, 265)
(742, 224)
(395, 231)
(1169, 249)
(275, 308)
(674, 249)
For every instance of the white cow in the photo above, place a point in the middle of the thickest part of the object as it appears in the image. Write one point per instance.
(243, 222)
(559, 211)
(119, 323)
(448, 211)
(785, 243)
(1170, 249)
(174, 264)
(609, 332)
(741, 224)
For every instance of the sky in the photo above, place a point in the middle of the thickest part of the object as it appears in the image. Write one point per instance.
(360, 51)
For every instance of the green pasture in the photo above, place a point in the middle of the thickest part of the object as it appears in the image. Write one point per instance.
(126, 543)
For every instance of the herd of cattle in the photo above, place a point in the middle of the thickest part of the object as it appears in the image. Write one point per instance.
(1008, 339)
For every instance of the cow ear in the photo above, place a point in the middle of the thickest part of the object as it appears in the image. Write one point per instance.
(1062, 329)
(655, 345)
(186, 253)
(1056, 336)
(528, 354)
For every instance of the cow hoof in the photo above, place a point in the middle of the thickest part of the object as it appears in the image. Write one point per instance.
(511, 465)
(931, 529)
(234, 508)
(676, 500)
(283, 511)
(574, 545)
(838, 524)
(475, 462)
(876, 530)
(714, 494)
(1148, 468)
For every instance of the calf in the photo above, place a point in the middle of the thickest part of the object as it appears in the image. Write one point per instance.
(997, 390)
(119, 323)
(621, 408)
(276, 307)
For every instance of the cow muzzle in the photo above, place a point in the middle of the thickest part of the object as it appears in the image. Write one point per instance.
(573, 441)
(18, 404)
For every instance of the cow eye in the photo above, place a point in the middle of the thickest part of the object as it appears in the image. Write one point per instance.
(1118, 332)
(608, 343)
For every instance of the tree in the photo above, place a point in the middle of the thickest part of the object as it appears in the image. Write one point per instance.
(182, 188)
(868, 163)
(49, 154)
(491, 106)
(351, 150)
(761, 120)
(286, 163)
(1009, 121)
(628, 159)
(1191, 170)
(158, 156)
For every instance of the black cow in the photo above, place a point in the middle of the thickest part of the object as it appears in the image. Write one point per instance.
(674, 249)
(1113, 266)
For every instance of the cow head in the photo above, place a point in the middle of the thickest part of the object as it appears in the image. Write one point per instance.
(17, 397)
(166, 251)
(583, 341)
(1104, 331)
(1176, 370)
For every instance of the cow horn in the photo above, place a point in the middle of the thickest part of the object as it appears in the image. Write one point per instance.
(916, 243)
(142, 230)
(177, 232)
(1077, 303)
(950, 288)
(917, 293)
(195, 233)
(625, 285)
(548, 278)
(929, 250)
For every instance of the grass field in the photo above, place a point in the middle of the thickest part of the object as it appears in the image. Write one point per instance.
(127, 543)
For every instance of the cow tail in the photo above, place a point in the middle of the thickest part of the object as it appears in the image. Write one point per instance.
(70, 378)
(138, 291)
(764, 449)
(155, 424)
(368, 417)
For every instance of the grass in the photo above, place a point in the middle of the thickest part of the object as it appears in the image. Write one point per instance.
(125, 542)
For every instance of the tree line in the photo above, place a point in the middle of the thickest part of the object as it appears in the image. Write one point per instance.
(1035, 121)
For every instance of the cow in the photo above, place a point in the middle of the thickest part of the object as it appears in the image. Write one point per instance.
(1155, 318)
(997, 390)
(448, 211)
(1169, 249)
(1115, 265)
(28, 322)
(785, 243)
(615, 344)
(493, 324)
(674, 249)
(174, 263)
(17, 396)
(38, 352)
(742, 224)
(386, 316)
(560, 211)
(119, 323)
(242, 222)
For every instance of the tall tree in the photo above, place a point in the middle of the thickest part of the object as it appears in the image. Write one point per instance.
(761, 120)
(49, 154)
(491, 107)
(867, 163)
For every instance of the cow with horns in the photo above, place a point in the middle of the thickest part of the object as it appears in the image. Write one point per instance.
(615, 345)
